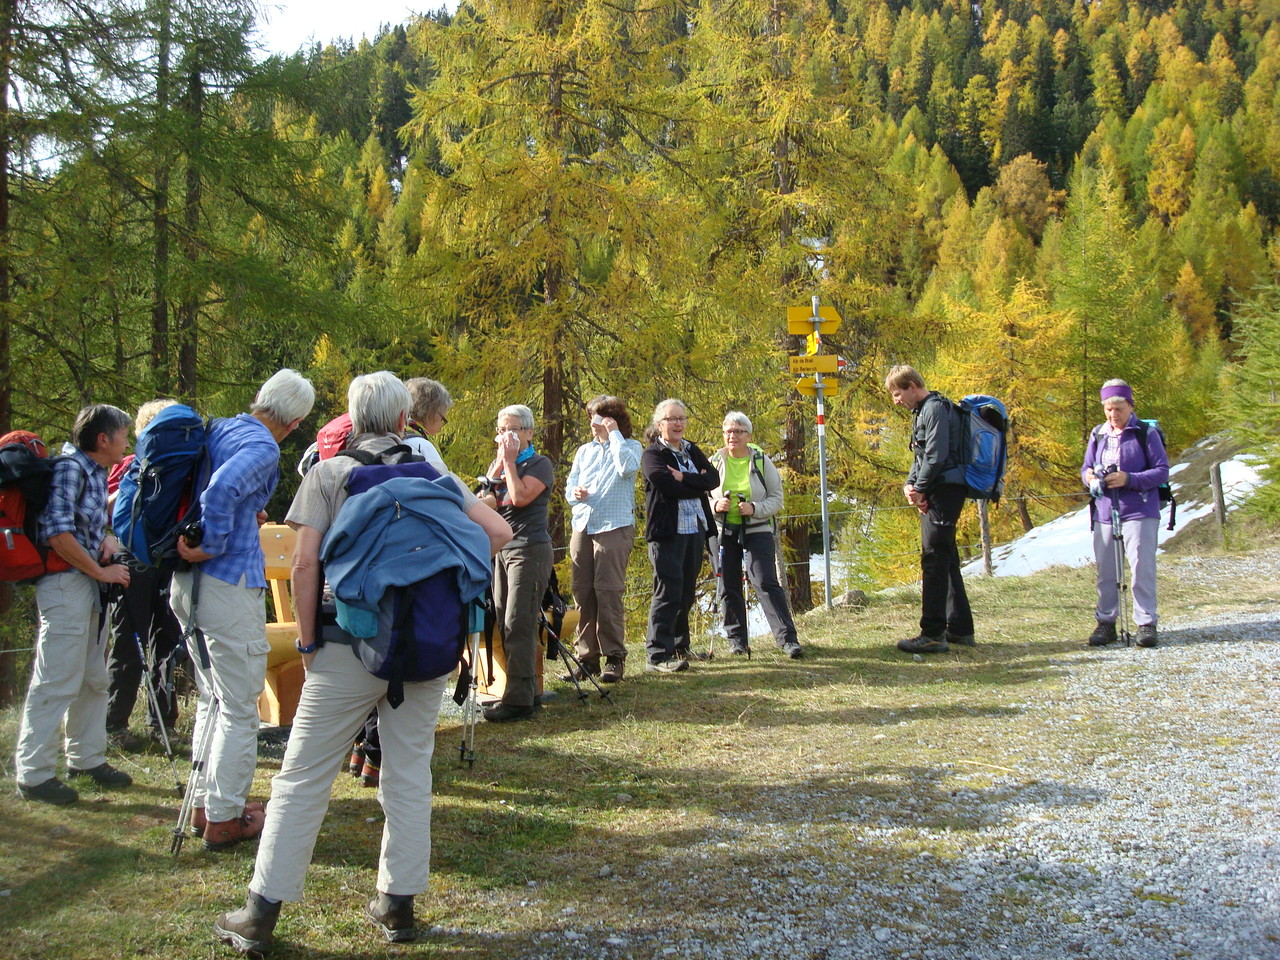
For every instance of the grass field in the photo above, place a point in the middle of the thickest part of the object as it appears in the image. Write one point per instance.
(595, 809)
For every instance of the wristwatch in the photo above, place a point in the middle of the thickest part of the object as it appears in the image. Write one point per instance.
(312, 647)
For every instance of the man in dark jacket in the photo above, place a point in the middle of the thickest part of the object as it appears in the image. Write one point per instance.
(935, 486)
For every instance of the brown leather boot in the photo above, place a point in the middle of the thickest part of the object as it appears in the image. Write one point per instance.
(249, 929)
(393, 915)
(227, 833)
(198, 822)
(613, 669)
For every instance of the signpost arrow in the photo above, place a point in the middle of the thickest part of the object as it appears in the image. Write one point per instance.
(818, 363)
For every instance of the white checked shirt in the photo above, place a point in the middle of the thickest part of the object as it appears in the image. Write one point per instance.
(608, 470)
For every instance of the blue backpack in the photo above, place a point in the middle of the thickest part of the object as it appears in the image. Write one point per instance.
(984, 426)
(159, 495)
(419, 630)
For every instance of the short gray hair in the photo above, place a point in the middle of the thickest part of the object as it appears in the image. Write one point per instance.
(737, 418)
(520, 412)
(376, 402)
(663, 404)
(427, 397)
(286, 397)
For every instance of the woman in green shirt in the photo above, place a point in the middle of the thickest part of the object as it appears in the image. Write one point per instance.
(749, 496)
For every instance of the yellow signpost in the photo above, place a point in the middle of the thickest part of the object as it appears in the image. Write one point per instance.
(819, 363)
(807, 386)
(800, 320)
(812, 323)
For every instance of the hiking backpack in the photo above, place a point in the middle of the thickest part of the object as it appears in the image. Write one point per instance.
(1165, 491)
(419, 629)
(26, 473)
(159, 495)
(983, 445)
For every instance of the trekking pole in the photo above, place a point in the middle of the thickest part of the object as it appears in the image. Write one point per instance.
(571, 661)
(153, 700)
(153, 697)
(1122, 588)
(200, 751)
(471, 707)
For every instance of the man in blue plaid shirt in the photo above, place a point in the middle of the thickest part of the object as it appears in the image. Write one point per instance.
(69, 679)
(244, 453)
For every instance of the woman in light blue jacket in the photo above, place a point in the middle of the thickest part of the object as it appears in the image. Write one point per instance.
(601, 491)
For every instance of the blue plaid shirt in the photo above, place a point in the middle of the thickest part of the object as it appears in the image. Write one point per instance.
(77, 501)
(608, 470)
(245, 460)
(689, 518)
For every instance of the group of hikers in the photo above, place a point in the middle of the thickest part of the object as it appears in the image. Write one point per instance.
(497, 532)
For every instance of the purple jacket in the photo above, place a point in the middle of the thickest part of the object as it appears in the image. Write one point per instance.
(1138, 497)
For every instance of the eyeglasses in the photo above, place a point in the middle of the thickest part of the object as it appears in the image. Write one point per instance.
(443, 419)
(675, 419)
(736, 430)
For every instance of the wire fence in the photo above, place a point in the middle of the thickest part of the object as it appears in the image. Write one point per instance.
(864, 557)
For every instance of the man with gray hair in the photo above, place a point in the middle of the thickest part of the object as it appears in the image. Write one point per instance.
(337, 696)
(69, 677)
(223, 596)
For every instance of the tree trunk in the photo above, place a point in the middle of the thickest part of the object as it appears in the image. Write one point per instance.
(161, 370)
(189, 309)
(795, 533)
(7, 10)
(8, 661)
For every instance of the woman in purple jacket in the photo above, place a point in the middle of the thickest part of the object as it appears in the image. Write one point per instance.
(1124, 465)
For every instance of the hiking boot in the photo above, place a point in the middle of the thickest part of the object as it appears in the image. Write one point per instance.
(583, 670)
(793, 650)
(104, 775)
(1103, 634)
(961, 639)
(52, 791)
(1147, 635)
(227, 833)
(355, 766)
(671, 665)
(393, 915)
(923, 644)
(613, 669)
(739, 650)
(507, 712)
(369, 775)
(249, 929)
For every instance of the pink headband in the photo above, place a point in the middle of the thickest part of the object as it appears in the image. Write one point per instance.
(1120, 390)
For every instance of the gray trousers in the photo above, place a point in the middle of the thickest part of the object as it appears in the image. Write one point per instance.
(1140, 540)
(68, 681)
(520, 577)
(599, 579)
(762, 570)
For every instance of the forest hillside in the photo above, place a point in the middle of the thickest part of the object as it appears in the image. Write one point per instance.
(541, 201)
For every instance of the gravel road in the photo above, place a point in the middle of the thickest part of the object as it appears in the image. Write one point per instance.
(1163, 843)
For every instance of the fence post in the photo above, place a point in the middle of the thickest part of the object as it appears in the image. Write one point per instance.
(984, 525)
(1219, 499)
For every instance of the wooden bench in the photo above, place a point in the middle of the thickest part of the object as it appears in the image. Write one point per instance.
(279, 699)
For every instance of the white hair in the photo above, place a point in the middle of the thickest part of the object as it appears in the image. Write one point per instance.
(286, 397)
(520, 412)
(736, 418)
(376, 402)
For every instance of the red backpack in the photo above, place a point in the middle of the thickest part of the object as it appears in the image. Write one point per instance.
(26, 473)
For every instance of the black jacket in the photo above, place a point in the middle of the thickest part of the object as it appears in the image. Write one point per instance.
(935, 442)
(663, 492)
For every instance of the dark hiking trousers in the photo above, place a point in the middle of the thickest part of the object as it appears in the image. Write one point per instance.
(944, 605)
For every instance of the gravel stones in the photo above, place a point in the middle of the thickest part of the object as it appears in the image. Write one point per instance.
(1153, 834)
